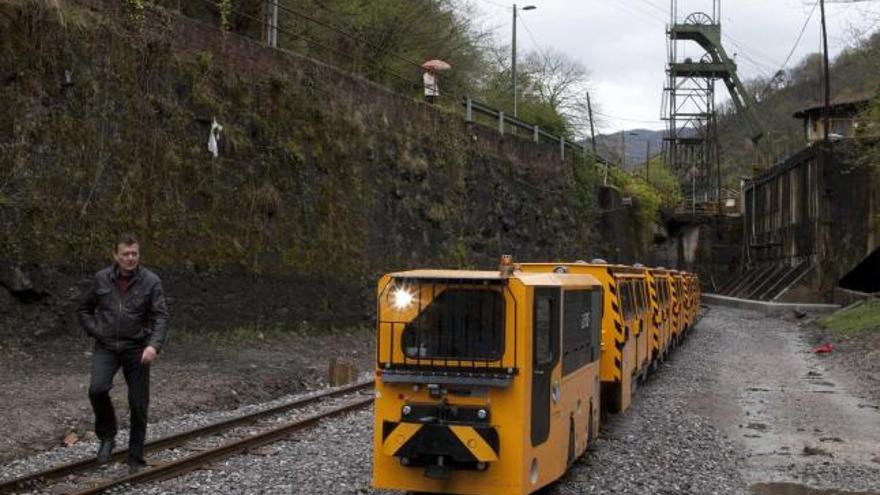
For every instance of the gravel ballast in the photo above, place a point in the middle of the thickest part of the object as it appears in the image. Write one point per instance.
(724, 413)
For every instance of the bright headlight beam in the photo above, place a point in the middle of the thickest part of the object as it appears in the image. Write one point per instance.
(401, 298)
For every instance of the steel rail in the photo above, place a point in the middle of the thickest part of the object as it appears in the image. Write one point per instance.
(29, 480)
(187, 464)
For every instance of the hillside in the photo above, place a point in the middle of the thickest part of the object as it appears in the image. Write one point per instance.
(636, 142)
(855, 73)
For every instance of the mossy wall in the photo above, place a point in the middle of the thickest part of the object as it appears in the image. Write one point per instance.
(323, 182)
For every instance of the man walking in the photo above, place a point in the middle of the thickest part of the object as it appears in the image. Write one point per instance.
(125, 313)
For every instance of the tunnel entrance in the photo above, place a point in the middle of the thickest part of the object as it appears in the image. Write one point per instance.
(865, 277)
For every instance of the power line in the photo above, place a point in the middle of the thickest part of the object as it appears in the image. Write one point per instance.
(793, 48)
(747, 52)
(313, 42)
(615, 117)
(532, 37)
(644, 16)
(344, 33)
(497, 4)
(751, 54)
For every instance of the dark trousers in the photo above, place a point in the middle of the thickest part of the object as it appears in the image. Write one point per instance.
(105, 364)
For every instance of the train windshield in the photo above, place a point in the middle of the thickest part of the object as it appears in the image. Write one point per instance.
(458, 324)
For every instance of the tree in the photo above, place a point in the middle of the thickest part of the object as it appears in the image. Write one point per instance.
(552, 89)
(560, 82)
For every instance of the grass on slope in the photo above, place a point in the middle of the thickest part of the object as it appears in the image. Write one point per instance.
(855, 318)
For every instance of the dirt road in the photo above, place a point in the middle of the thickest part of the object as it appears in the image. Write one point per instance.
(797, 419)
(743, 407)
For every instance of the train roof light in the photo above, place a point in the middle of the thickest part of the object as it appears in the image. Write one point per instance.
(598, 261)
(505, 266)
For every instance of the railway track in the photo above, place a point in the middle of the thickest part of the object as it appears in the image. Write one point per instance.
(182, 465)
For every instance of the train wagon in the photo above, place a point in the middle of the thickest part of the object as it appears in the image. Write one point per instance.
(625, 325)
(671, 280)
(693, 290)
(487, 382)
(659, 290)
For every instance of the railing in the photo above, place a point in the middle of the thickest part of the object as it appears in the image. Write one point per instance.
(507, 124)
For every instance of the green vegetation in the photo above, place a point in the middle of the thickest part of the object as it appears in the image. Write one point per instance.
(856, 318)
(651, 199)
(387, 40)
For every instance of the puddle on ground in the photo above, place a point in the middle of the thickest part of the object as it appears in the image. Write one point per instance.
(797, 489)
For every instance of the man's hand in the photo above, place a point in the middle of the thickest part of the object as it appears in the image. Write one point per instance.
(149, 355)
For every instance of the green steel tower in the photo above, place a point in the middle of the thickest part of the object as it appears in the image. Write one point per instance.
(691, 143)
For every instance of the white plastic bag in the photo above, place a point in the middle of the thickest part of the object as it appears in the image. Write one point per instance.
(214, 138)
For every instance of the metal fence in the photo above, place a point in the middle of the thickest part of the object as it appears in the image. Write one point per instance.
(507, 124)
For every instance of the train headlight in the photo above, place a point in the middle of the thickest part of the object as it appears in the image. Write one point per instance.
(482, 414)
(402, 298)
(406, 410)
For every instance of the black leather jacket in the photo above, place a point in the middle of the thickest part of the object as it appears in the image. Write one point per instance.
(122, 322)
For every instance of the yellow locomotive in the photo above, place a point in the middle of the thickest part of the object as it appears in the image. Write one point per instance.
(492, 382)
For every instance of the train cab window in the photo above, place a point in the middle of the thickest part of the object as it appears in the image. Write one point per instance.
(643, 299)
(662, 291)
(638, 302)
(581, 328)
(458, 324)
(543, 330)
(546, 326)
(624, 298)
(626, 291)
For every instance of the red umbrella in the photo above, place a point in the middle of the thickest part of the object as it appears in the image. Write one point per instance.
(436, 64)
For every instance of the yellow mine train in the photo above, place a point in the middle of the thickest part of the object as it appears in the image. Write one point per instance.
(494, 382)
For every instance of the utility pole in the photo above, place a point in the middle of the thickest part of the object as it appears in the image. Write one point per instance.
(827, 113)
(272, 21)
(513, 54)
(592, 127)
(513, 60)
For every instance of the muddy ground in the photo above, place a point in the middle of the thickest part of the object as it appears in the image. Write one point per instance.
(802, 418)
(43, 393)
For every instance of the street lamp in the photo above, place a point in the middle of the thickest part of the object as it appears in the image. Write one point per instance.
(513, 55)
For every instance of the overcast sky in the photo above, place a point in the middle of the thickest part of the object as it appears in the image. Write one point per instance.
(623, 43)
